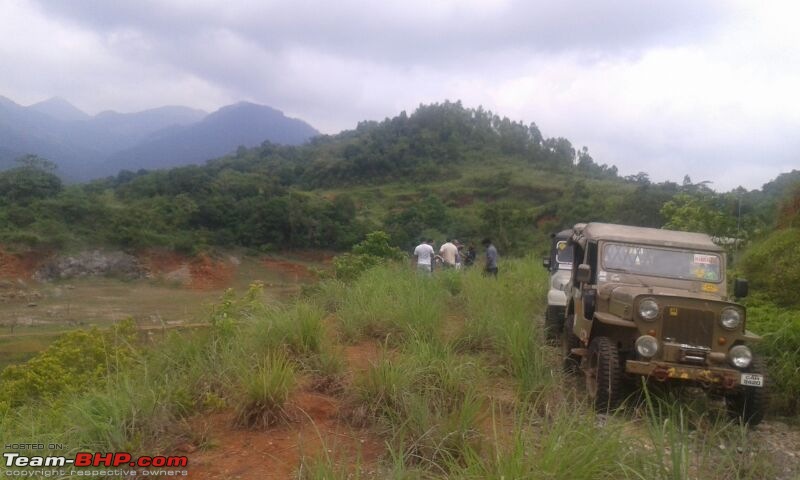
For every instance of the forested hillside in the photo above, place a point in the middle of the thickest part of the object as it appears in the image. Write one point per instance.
(444, 170)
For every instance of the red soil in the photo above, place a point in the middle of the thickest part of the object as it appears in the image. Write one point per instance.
(210, 274)
(317, 428)
(278, 452)
(162, 261)
(360, 356)
(294, 270)
(19, 265)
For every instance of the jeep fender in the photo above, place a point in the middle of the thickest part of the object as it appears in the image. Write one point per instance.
(556, 298)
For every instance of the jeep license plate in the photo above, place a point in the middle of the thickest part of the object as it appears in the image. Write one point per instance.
(752, 380)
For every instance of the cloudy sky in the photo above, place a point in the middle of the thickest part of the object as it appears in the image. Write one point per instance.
(705, 88)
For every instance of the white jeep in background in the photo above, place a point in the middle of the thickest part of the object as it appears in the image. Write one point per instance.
(559, 264)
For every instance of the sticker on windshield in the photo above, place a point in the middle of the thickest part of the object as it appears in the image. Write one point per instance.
(710, 287)
(601, 275)
(704, 259)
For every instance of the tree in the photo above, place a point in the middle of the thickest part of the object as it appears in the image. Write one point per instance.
(697, 214)
(33, 179)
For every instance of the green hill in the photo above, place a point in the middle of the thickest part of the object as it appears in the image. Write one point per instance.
(444, 170)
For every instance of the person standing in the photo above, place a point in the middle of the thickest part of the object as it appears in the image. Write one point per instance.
(491, 258)
(469, 258)
(423, 256)
(448, 251)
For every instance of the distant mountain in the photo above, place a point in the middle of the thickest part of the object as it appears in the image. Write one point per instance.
(242, 124)
(60, 109)
(86, 147)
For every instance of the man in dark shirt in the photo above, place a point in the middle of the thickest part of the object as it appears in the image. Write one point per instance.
(491, 257)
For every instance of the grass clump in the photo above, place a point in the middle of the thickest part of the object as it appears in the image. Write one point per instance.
(265, 388)
(392, 302)
(569, 445)
(427, 401)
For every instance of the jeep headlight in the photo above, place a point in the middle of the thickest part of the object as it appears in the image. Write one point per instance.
(646, 346)
(740, 356)
(730, 318)
(648, 309)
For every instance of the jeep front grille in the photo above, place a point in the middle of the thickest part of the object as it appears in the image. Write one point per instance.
(688, 327)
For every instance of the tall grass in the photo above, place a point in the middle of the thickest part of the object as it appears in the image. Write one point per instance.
(502, 317)
(780, 330)
(428, 393)
(427, 400)
(570, 445)
(392, 303)
(688, 442)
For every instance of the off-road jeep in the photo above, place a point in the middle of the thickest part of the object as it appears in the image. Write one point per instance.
(653, 303)
(559, 265)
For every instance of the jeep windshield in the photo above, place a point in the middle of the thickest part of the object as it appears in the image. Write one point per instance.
(662, 262)
(564, 254)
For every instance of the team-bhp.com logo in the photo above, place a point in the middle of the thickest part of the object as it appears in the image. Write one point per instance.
(84, 459)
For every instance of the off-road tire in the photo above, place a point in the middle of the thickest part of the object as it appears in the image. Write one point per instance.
(571, 362)
(749, 404)
(553, 323)
(603, 374)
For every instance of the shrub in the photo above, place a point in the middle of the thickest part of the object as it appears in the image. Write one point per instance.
(69, 365)
(780, 330)
(375, 250)
(773, 266)
(265, 388)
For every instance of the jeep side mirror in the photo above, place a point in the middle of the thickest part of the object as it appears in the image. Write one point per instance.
(584, 273)
(546, 263)
(740, 288)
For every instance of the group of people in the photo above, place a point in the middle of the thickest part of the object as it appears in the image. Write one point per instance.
(452, 254)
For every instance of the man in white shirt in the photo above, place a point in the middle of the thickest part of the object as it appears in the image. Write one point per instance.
(423, 255)
(449, 251)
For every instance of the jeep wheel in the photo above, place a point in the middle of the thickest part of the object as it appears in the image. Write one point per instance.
(603, 374)
(749, 404)
(568, 342)
(553, 323)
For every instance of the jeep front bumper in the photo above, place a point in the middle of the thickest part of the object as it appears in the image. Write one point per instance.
(720, 377)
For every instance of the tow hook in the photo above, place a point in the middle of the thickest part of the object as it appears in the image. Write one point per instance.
(660, 374)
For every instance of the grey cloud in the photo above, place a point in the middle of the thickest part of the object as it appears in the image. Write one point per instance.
(399, 32)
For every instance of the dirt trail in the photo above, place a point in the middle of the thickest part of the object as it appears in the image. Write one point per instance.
(315, 430)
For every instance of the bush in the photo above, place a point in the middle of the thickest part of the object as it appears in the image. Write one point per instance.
(375, 250)
(780, 329)
(69, 365)
(772, 266)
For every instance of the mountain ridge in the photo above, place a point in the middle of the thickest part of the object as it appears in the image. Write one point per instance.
(86, 147)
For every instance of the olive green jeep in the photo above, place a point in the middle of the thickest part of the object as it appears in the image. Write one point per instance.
(653, 303)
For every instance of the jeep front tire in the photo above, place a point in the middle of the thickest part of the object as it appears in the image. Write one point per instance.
(749, 404)
(603, 374)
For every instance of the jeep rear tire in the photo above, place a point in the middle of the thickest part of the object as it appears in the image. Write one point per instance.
(553, 323)
(603, 374)
(749, 404)
(568, 342)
